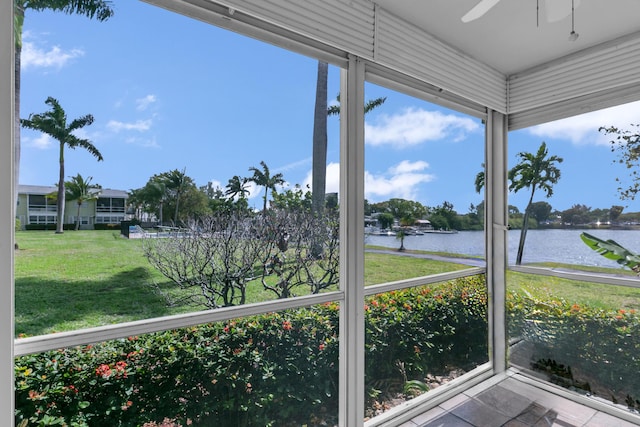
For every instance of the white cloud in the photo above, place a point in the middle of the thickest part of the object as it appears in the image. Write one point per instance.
(42, 142)
(293, 165)
(416, 126)
(254, 190)
(407, 166)
(144, 103)
(400, 180)
(583, 129)
(33, 56)
(216, 184)
(143, 142)
(332, 183)
(140, 125)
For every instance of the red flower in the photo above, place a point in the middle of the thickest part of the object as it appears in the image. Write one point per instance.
(286, 325)
(103, 371)
(321, 347)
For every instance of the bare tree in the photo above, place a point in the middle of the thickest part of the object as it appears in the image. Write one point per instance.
(293, 266)
(216, 258)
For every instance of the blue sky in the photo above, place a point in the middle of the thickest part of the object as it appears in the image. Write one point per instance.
(168, 92)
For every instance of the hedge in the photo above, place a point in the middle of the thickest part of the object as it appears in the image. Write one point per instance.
(598, 348)
(274, 369)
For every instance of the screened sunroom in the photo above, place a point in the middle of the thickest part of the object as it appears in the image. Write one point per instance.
(455, 339)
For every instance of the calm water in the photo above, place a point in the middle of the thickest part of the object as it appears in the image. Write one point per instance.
(563, 246)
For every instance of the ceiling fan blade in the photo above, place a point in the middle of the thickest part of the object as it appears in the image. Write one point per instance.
(478, 10)
(557, 10)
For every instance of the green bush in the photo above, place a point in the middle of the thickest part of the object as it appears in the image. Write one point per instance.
(428, 329)
(598, 346)
(52, 227)
(18, 225)
(274, 369)
(106, 227)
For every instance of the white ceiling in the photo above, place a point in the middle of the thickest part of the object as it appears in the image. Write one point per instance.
(509, 38)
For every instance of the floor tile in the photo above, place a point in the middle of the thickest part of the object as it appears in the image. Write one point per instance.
(506, 401)
(477, 413)
(568, 411)
(515, 423)
(532, 414)
(447, 420)
(454, 401)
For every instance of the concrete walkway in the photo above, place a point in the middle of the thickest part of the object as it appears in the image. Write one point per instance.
(473, 262)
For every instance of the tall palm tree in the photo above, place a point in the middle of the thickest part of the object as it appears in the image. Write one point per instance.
(533, 171)
(237, 187)
(81, 191)
(99, 9)
(319, 150)
(54, 124)
(264, 179)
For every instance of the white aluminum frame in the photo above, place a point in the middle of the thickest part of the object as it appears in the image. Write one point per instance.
(362, 50)
(7, 210)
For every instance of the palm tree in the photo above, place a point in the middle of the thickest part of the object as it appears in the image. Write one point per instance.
(534, 171)
(54, 124)
(264, 179)
(319, 149)
(176, 181)
(321, 111)
(81, 191)
(237, 187)
(100, 9)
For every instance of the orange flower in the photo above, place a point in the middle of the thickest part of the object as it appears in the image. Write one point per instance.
(103, 371)
(286, 325)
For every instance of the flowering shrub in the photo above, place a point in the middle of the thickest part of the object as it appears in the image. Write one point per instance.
(428, 329)
(274, 369)
(249, 371)
(600, 346)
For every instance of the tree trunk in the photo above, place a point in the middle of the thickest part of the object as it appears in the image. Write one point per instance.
(523, 236)
(319, 168)
(16, 127)
(60, 204)
(525, 227)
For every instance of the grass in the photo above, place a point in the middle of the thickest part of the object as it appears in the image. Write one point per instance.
(83, 279)
(605, 297)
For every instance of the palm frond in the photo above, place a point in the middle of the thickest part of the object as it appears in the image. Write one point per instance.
(612, 250)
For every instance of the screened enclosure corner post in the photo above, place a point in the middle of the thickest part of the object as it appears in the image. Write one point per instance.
(351, 360)
(496, 227)
(7, 207)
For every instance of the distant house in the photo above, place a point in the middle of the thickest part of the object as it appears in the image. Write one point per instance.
(34, 207)
(424, 224)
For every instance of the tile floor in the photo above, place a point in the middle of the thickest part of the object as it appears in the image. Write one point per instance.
(513, 403)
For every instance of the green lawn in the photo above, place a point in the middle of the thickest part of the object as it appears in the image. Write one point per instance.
(82, 279)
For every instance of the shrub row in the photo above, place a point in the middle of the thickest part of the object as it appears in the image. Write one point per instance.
(40, 227)
(598, 346)
(115, 227)
(279, 368)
